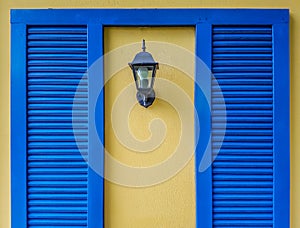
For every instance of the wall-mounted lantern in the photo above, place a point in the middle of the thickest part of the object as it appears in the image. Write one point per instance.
(144, 69)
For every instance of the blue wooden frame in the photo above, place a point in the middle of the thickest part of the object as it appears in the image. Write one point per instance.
(203, 192)
(202, 19)
(95, 182)
(281, 124)
(18, 126)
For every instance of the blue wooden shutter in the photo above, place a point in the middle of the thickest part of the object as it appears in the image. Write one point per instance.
(57, 172)
(53, 185)
(242, 174)
(248, 182)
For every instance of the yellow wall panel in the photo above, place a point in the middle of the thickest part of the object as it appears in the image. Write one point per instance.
(6, 5)
(172, 202)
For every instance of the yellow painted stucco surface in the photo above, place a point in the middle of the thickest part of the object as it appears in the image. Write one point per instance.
(162, 190)
(174, 197)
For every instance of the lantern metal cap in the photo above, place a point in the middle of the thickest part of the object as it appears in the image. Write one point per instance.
(143, 58)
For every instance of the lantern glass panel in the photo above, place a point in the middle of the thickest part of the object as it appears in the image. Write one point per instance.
(143, 76)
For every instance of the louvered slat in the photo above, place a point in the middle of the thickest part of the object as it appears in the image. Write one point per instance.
(57, 172)
(243, 169)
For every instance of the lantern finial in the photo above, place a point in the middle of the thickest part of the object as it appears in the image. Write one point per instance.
(144, 45)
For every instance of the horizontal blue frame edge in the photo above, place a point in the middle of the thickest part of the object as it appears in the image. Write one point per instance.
(155, 17)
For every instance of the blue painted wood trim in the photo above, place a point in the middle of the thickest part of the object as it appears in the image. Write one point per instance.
(18, 127)
(281, 125)
(149, 17)
(96, 118)
(202, 100)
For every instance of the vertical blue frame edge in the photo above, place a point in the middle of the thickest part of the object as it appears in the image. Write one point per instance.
(18, 126)
(281, 121)
(96, 159)
(203, 192)
(98, 18)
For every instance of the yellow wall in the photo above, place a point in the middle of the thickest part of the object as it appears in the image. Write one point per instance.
(172, 202)
(5, 5)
